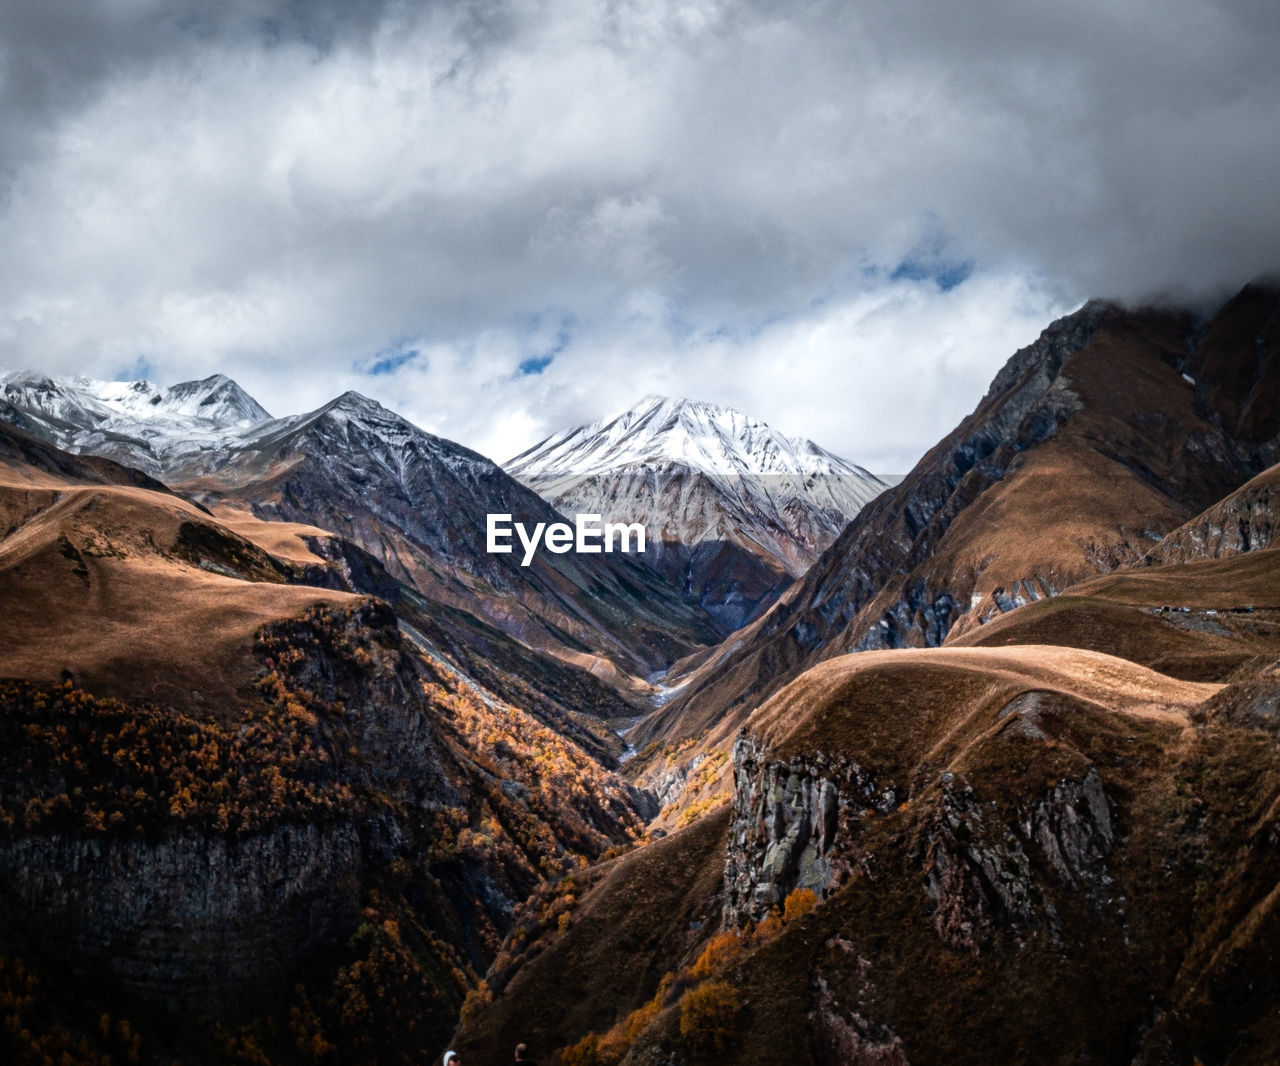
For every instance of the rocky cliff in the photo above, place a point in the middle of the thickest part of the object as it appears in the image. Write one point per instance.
(1247, 520)
(786, 821)
(191, 920)
(347, 832)
(1029, 854)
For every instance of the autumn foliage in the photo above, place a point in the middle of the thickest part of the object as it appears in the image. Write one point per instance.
(71, 762)
(470, 787)
(707, 1015)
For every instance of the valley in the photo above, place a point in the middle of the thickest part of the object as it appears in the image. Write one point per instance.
(981, 766)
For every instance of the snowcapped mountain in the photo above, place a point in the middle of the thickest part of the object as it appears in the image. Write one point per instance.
(416, 502)
(133, 422)
(419, 504)
(734, 509)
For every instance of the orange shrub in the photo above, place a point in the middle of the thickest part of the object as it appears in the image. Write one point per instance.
(768, 927)
(707, 1015)
(720, 953)
(586, 1052)
(477, 1001)
(799, 903)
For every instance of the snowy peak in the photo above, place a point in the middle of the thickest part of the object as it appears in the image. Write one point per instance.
(703, 436)
(351, 421)
(215, 399)
(134, 422)
(354, 405)
(737, 508)
(216, 402)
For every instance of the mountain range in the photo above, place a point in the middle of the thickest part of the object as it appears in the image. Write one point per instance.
(134, 422)
(292, 771)
(1111, 430)
(1031, 817)
(414, 501)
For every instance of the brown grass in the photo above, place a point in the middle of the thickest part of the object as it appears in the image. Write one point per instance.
(1124, 614)
(91, 582)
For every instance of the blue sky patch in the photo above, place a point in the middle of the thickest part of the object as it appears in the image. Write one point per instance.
(141, 369)
(536, 365)
(945, 275)
(389, 360)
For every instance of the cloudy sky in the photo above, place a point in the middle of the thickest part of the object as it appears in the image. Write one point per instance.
(500, 218)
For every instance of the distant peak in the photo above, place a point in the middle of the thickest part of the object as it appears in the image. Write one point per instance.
(357, 407)
(353, 401)
(218, 397)
(677, 405)
(29, 379)
(691, 433)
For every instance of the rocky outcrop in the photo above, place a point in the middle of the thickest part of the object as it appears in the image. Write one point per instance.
(977, 874)
(1247, 520)
(782, 836)
(788, 819)
(1073, 829)
(980, 872)
(837, 1038)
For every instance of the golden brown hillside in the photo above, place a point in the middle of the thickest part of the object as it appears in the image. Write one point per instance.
(1025, 854)
(1206, 620)
(246, 818)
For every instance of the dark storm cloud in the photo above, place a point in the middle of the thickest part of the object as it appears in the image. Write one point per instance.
(57, 53)
(705, 191)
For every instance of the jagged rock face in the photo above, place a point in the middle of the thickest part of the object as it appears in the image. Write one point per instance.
(794, 827)
(786, 827)
(1247, 520)
(782, 836)
(979, 875)
(1091, 445)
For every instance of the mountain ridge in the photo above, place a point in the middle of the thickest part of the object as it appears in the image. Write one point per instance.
(416, 501)
(133, 422)
(1090, 445)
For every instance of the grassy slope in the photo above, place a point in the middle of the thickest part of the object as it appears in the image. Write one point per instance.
(102, 582)
(1204, 620)
(1193, 790)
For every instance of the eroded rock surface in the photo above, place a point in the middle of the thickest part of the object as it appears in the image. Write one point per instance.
(981, 871)
(788, 819)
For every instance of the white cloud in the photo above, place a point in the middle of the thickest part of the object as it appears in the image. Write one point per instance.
(877, 376)
(703, 198)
